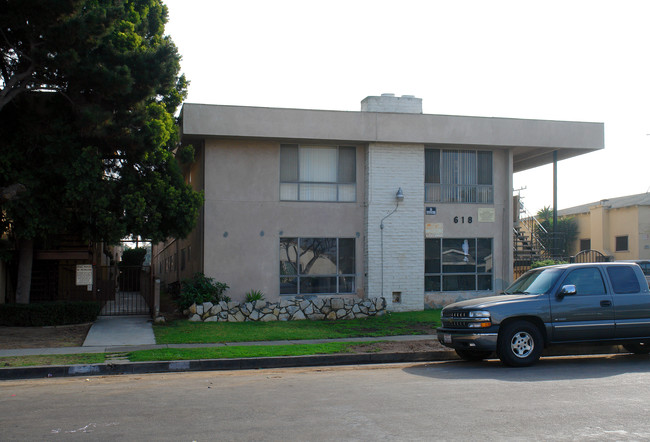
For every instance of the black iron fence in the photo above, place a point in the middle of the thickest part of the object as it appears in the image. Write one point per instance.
(522, 265)
(124, 290)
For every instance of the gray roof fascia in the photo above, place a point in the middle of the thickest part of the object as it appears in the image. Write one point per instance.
(532, 141)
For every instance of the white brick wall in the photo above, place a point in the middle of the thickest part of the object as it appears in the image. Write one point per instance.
(391, 166)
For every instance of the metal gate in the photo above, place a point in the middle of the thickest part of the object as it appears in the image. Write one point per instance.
(124, 290)
(590, 256)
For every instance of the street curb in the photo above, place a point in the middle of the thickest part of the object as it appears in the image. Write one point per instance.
(109, 369)
(58, 371)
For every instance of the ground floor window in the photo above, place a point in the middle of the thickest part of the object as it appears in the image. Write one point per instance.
(317, 266)
(458, 264)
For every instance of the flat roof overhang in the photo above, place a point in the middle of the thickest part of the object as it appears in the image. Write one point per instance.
(531, 141)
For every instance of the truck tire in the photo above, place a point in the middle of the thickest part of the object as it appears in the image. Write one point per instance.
(473, 355)
(520, 344)
(638, 348)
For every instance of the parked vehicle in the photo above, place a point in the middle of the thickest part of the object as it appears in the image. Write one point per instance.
(597, 303)
(645, 267)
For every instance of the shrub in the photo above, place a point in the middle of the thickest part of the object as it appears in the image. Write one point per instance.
(546, 262)
(254, 295)
(199, 289)
(49, 313)
(133, 257)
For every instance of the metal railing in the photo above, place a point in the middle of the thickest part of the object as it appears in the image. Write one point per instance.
(458, 193)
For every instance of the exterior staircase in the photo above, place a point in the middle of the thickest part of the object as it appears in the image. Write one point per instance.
(527, 247)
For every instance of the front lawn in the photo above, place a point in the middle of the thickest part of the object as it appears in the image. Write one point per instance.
(391, 324)
(26, 361)
(242, 351)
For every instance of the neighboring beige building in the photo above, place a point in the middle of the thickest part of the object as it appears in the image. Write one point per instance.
(384, 202)
(617, 227)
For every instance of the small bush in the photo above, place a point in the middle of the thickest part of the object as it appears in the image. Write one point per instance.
(49, 313)
(133, 257)
(200, 289)
(546, 262)
(254, 295)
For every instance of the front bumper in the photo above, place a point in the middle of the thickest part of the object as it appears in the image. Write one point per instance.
(467, 340)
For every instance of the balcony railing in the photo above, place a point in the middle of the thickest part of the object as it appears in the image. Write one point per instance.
(458, 193)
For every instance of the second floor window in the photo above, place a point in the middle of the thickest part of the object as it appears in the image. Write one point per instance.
(458, 176)
(318, 173)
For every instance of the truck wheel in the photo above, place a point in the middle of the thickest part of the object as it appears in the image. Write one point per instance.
(638, 348)
(473, 355)
(519, 344)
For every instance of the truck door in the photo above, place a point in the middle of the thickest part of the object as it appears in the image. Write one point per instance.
(588, 314)
(631, 301)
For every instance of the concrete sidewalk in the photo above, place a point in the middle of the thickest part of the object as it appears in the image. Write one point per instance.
(124, 348)
(109, 331)
(124, 334)
(115, 367)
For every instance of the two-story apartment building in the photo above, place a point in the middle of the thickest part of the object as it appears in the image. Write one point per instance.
(386, 202)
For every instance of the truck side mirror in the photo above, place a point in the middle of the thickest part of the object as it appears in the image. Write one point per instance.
(567, 290)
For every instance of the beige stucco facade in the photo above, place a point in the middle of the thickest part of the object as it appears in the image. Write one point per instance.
(602, 222)
(244, 218)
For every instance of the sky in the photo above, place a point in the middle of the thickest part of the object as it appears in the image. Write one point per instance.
(567, 60)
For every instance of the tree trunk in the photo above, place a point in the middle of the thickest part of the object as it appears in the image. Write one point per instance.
(25, 260)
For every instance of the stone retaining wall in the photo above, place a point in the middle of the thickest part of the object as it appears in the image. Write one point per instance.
(287, 310)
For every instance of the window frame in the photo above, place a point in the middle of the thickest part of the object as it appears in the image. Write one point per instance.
(296, 182)
(437, 191)
(479, 276)
(341, 261)
(627, 243)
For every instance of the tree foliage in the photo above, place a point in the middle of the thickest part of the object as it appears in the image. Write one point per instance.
(89, 89)
(558, 243)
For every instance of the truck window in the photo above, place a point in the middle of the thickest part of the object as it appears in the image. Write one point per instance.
(588, 281)
(623, 279)
(536, 281)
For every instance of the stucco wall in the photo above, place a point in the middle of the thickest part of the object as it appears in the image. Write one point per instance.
(583, 222)
(644, 232)
(624, 222)
(245, 219)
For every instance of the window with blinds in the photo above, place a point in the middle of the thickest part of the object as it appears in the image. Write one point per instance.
(458, 176)
(317, 173)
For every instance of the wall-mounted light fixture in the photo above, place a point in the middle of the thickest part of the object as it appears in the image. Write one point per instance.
(399, 196)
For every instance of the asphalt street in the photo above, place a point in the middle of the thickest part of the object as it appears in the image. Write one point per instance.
(565, 398)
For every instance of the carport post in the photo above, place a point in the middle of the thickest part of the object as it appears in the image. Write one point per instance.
(554, 203)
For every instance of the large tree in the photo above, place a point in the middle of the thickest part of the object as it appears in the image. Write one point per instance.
(87, 133)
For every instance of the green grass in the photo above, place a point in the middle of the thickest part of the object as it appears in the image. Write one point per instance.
(242, 351)
(26, 361)
(392, 324)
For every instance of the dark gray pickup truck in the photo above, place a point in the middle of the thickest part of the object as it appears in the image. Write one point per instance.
(598, 303)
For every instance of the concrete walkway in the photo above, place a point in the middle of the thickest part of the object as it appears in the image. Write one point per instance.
(120, 331)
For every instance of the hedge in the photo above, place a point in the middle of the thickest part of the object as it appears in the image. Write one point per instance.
(48, 313)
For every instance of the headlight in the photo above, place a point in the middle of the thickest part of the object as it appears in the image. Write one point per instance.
(482, 318)
(479, 314)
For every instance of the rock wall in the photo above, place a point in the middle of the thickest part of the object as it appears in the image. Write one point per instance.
(287, 310)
